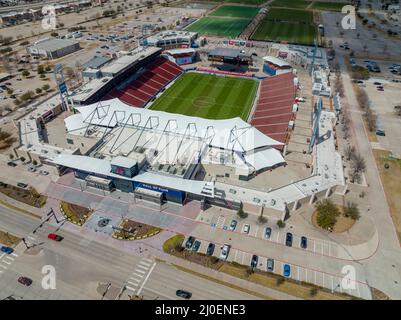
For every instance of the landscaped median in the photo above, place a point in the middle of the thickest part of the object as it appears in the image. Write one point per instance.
(300, 289)
(74, 213)
(28, 196)
(132, 230)
(8, 239)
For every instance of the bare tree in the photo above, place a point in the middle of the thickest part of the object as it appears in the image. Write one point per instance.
(349, 152)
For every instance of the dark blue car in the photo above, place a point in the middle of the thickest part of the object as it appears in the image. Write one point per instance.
(7, 250)
(287, 270)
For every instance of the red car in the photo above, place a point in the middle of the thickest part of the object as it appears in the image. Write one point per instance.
(25, 281)
(55, 237)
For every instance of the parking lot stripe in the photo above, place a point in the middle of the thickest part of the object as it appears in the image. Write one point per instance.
(314, 246)
(137, 274)
(278, 233)
(298, 273)
(8, 262)
(10, 258)
(147, 277)
(32, 238)
(4, 267)
(142, 267)
(135, 284)
(14, 254)
(315, 278)
(145, 264)
(256, 231)
(236, 253)
(357, 290)
(2, 255)
(147, 260)
(135, 279)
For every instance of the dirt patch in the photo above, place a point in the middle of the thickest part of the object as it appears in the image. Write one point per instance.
(28, 196)
(379, 295)
(343, 224)
(8, 239)
(75, 213)
(391, 183)
(132, 230)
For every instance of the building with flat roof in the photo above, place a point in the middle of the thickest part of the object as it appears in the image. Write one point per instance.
(171, 39)
(275, 66)
(52, 48)
(229, 55)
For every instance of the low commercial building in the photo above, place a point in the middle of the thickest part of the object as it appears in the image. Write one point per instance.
(227, 55)
(182, 56)
(53, 48)
(275, 66)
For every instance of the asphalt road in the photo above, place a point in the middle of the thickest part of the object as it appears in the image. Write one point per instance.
(84, 268)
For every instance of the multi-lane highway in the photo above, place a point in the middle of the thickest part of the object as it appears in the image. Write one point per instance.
(84, 268)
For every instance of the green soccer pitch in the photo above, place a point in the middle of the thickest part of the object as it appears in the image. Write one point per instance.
(235, 12)
(220, 27)
(208, 96)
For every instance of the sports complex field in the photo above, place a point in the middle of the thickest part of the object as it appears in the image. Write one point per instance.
(225, 21)
(208, 96)
(293, 4)
(293, 26)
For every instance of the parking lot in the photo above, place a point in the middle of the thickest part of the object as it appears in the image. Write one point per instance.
(223, 219)
(298, 273)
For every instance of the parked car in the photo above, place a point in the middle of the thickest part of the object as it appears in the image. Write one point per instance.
(224, 251)
(254, 261)
(25, 281)
(233, 225)
(22, 185)
(190, 242)
(268, 232)
(210, 249)
(183, 294)
(380, 88)
(11, 164)
(304, 242)
(43, 172)
(287, 270)
(196, 246)
(270, 264)
(55, 237)
(6, 250)
(288, 239)
(376, 83)
(246, 228)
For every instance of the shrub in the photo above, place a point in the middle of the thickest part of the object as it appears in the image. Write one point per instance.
(38, 90)
(241, 213)
(281, 224)
(351, 210)
(327, 213)
(313, 292)
(45, 87)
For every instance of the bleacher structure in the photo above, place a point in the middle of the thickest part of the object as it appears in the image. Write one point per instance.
(275, 106)
(141, 90)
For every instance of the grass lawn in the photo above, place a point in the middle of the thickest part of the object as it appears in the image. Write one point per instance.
(290, 15)
(285, 31)
(235, 12)
(293, 4)
(208, 96)
(252, 2)
(392, 185)
(328, 6)
(220, 27)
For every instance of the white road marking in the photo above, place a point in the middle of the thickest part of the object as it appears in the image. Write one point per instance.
(14, 254)
(323, 280)
(278, 233)
(32, 238)
(135, 279)
(2, 255)
(142, 267)
(357, 290)
(8, 257)
(332, 283)
(314, 246)
(130, 288)
(256, 231)
(148, 260)
(140, 271)
(145, 264)
(8, 262)
(4, 267)
(161, 294)
(235, 256)
(298, 273)
(315, 278)
(147, 277)
(137, 274)
(135, 284)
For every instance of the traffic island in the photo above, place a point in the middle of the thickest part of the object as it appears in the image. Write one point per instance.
(28, 196)
(132, 230)
(8, 239)
(75, 213)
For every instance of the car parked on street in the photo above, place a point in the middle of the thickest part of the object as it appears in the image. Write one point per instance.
(210, 249)
(246, 228)
(25, 281)
(304, 242)
(224, 251)
(268, 232)
(270, 264)
(233, 225)
(190, 242)
(288, 239)
(287, 270)
(11, 164)
(22, 185)
(183, 294)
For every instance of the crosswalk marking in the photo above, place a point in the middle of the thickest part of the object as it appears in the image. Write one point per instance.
(3, 266)
(10, 258)
(14, 254)
(8, 262)
(135, 279)
(32, 238)
(137, 274)
(140, 271)
(130, 288)
(142, 267)
(145, 264)
(147, 260)
(133, 283)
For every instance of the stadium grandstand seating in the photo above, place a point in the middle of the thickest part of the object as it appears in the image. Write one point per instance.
(274, 108)
(142, 89)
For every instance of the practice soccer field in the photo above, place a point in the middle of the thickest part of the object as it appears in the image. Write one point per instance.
(235, 12)
(208, 96)
(285, 31)
(290, 15)
(293, 4)
(220, 27)
(328, 6)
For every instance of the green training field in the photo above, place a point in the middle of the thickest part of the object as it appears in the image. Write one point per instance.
(290, 15)
(208, 96)
(285, 31)
(220, 27)
(328, 6)
(235, 12)
(252, 2)
(293, 4)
